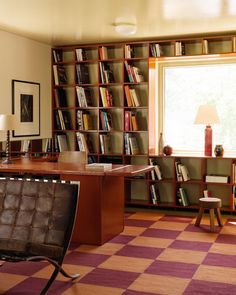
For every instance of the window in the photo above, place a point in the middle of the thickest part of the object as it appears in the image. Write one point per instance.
(185, 86)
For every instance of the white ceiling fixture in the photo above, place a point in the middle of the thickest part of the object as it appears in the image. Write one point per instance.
(126, 29)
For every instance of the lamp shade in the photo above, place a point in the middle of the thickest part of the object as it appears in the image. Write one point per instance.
(7, 122)
(207, 114)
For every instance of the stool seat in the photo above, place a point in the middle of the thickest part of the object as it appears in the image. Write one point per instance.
(213, 205)
(210, 203)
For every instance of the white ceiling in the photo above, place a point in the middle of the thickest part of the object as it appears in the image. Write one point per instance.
(60, 22)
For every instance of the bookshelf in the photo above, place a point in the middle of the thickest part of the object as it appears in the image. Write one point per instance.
(169, 185)
(107, 98)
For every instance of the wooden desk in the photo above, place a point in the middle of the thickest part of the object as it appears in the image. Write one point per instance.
(100, 214)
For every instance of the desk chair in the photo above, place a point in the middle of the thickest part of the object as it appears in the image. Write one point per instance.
(79, 157)
(37, 220)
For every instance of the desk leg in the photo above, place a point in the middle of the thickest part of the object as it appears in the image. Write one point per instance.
(100, 214)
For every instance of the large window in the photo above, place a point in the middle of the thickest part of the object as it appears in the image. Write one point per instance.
(184, 88)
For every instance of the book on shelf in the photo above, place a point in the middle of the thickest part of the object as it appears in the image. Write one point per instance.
(62, 142)
(106, 73)
(25, 146)
(82, 143)
(59, 73)
(134, 73)
(87, 121)
(217, 178)
(99, 166)
(129, 51)
(131, 123)
(156, 173)
(103, 52)
(182, 173)
(106, 97)
(64, 119)
(185, 173)
(132, 99)
(60, 98)
(82, 72)
(156, 50)
(205, 46)
(134, 147)
(84, 96)
(84, 120)
(81, 54)
(105, 143)
(106, 120)
(154, 193)
(48, 145)
(57, 55)
(183, 197)
(179, 48)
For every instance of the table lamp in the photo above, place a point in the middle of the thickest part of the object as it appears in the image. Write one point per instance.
(207, 114)
(7, 123)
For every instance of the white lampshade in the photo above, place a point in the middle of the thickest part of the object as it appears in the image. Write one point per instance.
(125, 29)
(7, 122)
(207, 114)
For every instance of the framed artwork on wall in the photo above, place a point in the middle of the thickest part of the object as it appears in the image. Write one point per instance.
(26, 107)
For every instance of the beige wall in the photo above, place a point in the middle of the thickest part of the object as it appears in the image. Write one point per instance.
(27, 60)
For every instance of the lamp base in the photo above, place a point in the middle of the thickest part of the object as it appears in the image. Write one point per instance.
(208, 141)
(7, 161)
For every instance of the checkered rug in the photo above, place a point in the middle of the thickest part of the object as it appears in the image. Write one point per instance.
(156, 254)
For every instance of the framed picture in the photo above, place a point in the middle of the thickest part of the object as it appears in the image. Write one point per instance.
(26, 107)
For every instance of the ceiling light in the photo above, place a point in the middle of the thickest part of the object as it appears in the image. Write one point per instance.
(125, 29)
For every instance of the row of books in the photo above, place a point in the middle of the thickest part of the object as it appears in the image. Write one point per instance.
(156, 50)
(103, 52)
(84, 96)
(106, 120)
(57, 55)
(106, 97)
(131, 144)
(156, 173)
(84, 120)
(80, 54)
(131, 123)
(182, 197)
(179, 48)
(62, 120)
(182, 173)
(129, 51)
(105, 143)
(134, 73)
(106, 73)
(155, 197)
(59, 73)
(82, 72)
(60, 98)
(132, 98)
(85, 143)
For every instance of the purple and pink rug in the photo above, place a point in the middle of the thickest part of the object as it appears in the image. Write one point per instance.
(156, 254)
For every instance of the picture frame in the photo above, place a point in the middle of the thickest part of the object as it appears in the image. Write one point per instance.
(26, 107)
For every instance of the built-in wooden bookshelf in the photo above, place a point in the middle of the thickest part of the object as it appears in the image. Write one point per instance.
(168, 185)
(106, 98)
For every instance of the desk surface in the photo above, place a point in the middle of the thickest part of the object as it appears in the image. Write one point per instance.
(43, 167)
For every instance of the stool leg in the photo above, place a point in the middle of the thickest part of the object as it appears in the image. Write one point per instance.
(218, 216)
(212, 221)
(199, 217)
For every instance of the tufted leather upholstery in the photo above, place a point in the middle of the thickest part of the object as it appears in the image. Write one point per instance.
(36, 218)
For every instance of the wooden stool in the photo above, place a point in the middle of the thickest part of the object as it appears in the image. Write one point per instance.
(213, 205)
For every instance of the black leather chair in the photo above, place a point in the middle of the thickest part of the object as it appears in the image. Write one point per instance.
(36, 222)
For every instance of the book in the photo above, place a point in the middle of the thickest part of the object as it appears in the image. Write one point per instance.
(134, 148)
(184, 172)
(62, 142)
(60, 98)
(84, 96)
(156, 173)
(99, 166)
(60, 76)
(217, 178)
(82, 72)
(184, 197)
(154, 193)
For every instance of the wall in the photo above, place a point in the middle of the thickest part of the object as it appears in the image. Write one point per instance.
(27, 60)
